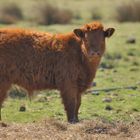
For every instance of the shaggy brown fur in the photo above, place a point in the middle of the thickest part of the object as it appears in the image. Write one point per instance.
(67, 62)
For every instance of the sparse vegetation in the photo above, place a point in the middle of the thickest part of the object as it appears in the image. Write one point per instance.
(48, 14)
(10, 13)
(128, 12)
(95, 14)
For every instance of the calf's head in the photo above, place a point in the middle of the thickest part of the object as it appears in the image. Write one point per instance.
(93, 38)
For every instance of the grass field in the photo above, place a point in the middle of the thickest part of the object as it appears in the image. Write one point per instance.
(124, 61)
(120, 67)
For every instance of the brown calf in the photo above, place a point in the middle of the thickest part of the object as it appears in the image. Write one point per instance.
(66, 62)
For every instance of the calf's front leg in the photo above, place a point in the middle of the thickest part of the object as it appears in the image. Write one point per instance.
(69, 98)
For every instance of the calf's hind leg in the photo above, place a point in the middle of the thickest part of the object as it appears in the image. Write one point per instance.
(3, 94)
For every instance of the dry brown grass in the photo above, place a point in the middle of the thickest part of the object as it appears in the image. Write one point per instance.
(58, 130)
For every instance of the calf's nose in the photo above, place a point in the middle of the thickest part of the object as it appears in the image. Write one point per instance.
(95, 53)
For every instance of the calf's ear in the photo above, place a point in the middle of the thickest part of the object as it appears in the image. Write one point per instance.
(79, 33)
(109, 32)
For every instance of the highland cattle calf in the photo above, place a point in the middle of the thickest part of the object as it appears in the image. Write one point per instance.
(66, 62)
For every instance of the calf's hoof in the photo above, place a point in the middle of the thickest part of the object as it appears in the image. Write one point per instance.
(73, 121)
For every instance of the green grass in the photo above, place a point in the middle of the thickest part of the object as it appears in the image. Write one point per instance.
(125, 108)
(35, 110)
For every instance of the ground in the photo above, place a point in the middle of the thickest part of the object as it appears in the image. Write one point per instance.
(59, 130)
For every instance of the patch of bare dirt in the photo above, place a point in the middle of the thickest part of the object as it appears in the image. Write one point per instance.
(58, 130)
